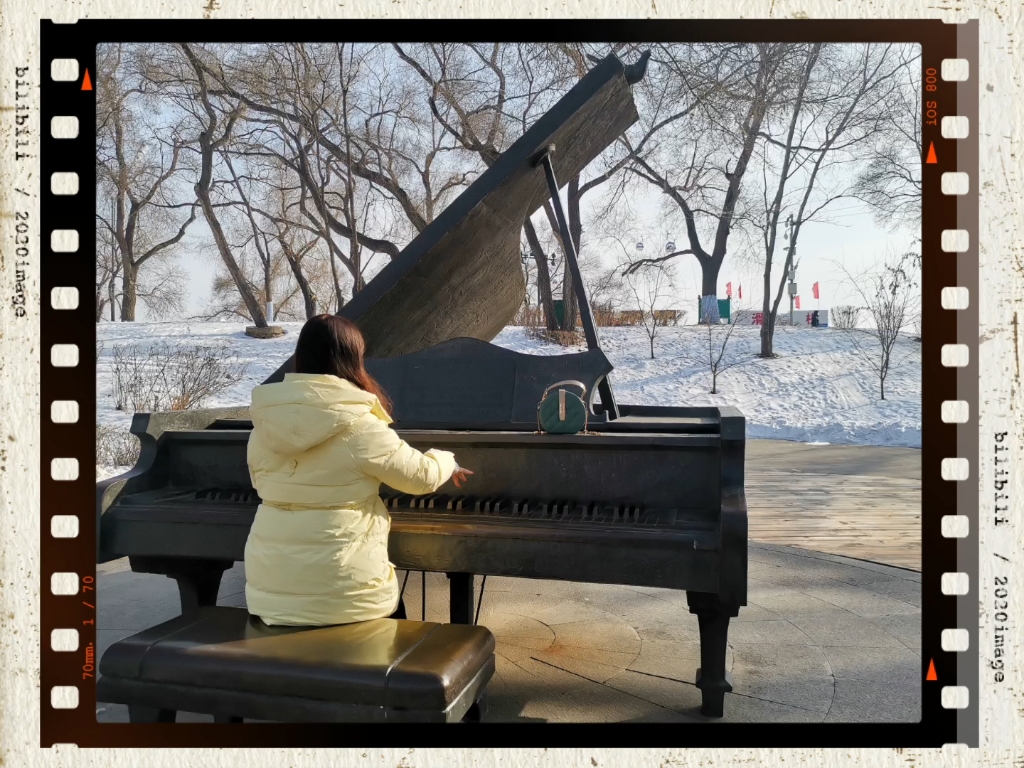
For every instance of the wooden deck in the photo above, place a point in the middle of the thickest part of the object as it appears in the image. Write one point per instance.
(822, 502)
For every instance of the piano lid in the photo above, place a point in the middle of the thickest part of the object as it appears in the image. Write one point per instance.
(462, 275)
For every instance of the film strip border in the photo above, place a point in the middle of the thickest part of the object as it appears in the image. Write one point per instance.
(70, 527)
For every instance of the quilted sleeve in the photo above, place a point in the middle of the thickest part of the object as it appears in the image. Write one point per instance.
(382, 454)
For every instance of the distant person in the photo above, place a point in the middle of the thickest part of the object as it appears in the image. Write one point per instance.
(319, 450)
(814, 319)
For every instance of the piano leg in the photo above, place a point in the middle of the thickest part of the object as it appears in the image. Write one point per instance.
(198, 580)
(460, 598)
(712, 679)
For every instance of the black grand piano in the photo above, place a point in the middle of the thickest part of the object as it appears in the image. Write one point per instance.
(649, 496)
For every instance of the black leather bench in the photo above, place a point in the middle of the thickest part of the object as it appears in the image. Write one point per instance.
(223, 662)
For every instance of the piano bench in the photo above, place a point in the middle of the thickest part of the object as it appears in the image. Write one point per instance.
(223, 662)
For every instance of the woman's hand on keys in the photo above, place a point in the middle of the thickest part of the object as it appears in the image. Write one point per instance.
(459, 476)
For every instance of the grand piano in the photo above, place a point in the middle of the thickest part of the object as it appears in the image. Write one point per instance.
(648, 496)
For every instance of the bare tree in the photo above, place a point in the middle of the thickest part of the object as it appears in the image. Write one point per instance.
(731, 88)
(217, 125)
(715, 350)
(891, 295)
(486, 96)
(836, 109)
(890, 181)
(136, 173)
(649, 286)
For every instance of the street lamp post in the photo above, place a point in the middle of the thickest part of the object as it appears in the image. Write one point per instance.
(524, 257)
(789, 260)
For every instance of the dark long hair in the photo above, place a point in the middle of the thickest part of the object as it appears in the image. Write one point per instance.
(333, 345)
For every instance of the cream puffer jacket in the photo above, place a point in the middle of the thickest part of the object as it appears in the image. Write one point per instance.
(319, 450)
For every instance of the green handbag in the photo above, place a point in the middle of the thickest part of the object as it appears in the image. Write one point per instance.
(562, 413)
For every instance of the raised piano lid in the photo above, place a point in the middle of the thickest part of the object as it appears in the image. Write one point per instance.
(462, 275)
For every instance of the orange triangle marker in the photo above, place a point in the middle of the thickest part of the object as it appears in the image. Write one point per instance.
(932, 158)
(87, 84)
(931, 671)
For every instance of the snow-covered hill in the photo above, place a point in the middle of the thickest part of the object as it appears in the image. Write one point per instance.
(818, 389)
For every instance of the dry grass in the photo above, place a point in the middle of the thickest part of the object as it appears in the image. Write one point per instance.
(562, 338)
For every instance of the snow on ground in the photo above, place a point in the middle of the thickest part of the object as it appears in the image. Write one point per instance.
(818, 390)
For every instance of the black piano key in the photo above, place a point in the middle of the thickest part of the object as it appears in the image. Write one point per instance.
(497, 506)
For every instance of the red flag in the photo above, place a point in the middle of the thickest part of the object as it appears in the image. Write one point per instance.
(814, 288)
(728, 290)
(741, 290)
(798, 302)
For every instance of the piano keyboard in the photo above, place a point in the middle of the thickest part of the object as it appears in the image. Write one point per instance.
(524, 509)
(453, 508)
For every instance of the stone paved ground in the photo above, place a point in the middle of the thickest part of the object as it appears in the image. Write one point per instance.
(823, 637)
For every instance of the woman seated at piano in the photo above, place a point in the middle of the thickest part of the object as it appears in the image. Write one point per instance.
(320, 447)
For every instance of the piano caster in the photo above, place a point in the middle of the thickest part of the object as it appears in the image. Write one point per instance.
(712, 679)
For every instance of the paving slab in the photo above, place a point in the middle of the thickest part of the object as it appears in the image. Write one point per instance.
(819, 640)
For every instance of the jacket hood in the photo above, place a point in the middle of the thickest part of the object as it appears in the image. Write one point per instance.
(304, 410)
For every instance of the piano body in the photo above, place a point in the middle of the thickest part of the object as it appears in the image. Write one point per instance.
(650, 496)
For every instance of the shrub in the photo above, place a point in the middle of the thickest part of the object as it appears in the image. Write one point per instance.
(115, 446)
(844, 317)
(163, 377)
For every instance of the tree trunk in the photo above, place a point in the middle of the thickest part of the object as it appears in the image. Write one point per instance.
(267, 290)
(129, 290)
(339, 297)
(570, 304)
(570, 300)
(767, 320)
(244, 289)
(881, 384)
(709, 290)
(307, 293)
(543, 276)
(652, 347)
(112, 290)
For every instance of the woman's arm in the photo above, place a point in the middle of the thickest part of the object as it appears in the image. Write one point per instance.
(382, 454)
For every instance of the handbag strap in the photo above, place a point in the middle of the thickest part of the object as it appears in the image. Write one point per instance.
(579, 384)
